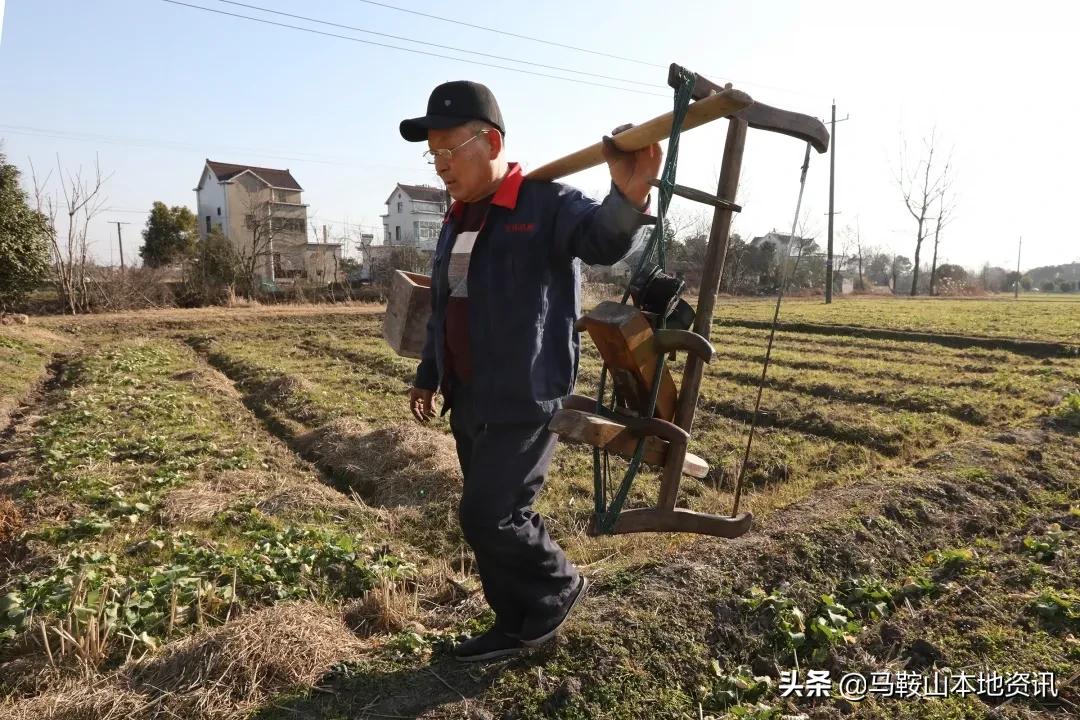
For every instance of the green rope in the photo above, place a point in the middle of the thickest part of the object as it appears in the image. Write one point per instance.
(606, 515)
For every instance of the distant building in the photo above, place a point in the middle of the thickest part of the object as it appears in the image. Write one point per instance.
(780, 241)
(843, 283)
(260, 211)
(414, 215)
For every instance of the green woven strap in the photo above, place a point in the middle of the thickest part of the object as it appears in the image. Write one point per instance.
(606, 514)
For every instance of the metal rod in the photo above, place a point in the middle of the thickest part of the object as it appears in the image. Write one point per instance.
(772, 335)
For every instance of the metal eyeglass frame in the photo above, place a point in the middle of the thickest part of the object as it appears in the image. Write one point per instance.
(431, 156)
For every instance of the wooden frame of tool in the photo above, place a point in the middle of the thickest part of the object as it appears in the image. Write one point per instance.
(667, 438)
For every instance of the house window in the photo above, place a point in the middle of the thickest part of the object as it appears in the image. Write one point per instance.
(207, 223)
(386, 233)
(416, 230)
(219, 212)
(293, 225)
(397, 233)
(286, 268)
(399, 206)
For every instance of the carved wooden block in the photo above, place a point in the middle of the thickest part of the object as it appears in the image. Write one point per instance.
(407, 311)
(625, 341)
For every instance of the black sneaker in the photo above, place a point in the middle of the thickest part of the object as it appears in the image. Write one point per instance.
(491, 645)
(539, 631)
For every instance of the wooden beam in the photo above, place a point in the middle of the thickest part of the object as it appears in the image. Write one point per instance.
(679, 520)
(715, 256)
(722, 104)
(618, 439)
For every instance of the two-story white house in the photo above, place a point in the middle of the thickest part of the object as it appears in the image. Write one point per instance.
(261, 212)
(414, 214)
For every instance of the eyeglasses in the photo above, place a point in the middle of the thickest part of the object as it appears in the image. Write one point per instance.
(433, 155)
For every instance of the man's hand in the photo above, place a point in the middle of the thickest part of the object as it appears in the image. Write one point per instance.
(422, 403)
(632, 171)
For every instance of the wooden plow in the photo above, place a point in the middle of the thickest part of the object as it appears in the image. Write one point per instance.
(632, 348)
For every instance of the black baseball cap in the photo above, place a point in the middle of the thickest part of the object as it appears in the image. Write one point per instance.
(452, 104)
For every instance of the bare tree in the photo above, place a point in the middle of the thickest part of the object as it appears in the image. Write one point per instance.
(855, 253)
(898, 267)
(83, 200)
(257, 254)
(803, 244)
(922, 185)
(734, 264)
(946, 206)
(269, 241)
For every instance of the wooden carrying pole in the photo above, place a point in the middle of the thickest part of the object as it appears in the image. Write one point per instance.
(722, 104)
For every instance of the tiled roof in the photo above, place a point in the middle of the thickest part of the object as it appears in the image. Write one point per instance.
(424, 193)
(271, 176)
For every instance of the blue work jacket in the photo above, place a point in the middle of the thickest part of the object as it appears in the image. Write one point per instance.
(524, 293)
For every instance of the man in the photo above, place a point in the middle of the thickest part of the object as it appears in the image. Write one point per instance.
(502, 348)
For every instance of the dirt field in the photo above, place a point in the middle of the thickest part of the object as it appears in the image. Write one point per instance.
(228, 513)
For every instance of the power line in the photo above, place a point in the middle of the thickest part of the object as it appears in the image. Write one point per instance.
(562, 45)
(409, 50)
(180, 146)
(444, 47)
(510, 34)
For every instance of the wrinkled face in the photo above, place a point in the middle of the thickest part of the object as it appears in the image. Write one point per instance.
(470, 172)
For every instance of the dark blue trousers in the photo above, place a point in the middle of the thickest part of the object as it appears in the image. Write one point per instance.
(523, 571)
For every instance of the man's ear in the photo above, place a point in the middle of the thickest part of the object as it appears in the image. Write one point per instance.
(495, 142)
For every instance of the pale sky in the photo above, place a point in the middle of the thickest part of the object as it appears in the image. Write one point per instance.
(154, 88)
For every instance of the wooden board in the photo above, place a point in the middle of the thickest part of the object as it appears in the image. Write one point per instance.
(625, 341)
(407, 311)
(603, 433)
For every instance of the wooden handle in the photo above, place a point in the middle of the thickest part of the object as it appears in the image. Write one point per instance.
(722, 104)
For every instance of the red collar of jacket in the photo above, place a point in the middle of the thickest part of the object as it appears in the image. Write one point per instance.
(506, 194)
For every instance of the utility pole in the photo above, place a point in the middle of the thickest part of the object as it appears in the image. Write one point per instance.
(832, 194)
(120, 241)
(1016, 285)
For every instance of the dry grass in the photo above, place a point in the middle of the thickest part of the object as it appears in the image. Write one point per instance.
(197, 503)
(28, 670)
(211, 381)
(229, 671)
(10, 519)
(438, 597)
(271, 494)
(80, 700)
(297, 499)
(223, 673)
(283, 387)
(389, 608)
(203, 500)
(404, 464)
